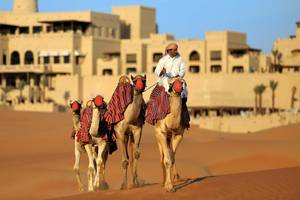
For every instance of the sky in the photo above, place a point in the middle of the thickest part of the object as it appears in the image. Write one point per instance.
(264, 21)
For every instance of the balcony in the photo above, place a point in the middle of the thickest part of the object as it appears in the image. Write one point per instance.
(59, 68)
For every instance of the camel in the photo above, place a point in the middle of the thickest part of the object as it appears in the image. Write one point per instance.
(79, 149)
(129, 131)
(169, 134)
(96, 148)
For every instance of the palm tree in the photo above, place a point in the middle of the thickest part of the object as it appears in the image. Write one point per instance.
(274, 53)
(261, 88)
(256, 91)
(273, 86)
(293, 98)
(277, 60)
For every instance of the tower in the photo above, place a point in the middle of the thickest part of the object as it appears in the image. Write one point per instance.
(25, 6)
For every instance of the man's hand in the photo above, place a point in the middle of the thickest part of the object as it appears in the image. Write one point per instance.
(163, 72)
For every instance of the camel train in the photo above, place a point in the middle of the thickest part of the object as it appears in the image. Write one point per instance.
(100, 128)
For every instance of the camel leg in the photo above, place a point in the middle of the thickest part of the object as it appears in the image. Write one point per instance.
(161, 160)
(162, 137)
(76, 166)
(175, 143)
(137, 134)
(123, 144)
(91, 169)
(100, 182)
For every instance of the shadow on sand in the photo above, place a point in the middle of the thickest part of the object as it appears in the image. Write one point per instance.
(188, 182)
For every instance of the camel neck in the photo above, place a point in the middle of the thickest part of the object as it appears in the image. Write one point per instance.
(175, 104)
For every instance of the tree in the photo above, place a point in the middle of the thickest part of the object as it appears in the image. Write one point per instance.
(293, 98)
(260, 90)
(273, 85)
(277, 60)
(44, 83)
(256, 91)
(21, 86)
(66, 97)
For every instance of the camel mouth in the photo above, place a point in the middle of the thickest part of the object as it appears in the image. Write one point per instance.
(139, 84)
(177, 86)
(75, 105)
(98, 101)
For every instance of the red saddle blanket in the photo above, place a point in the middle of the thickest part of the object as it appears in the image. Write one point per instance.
(158, 105)
(83, 136)
(121, 98)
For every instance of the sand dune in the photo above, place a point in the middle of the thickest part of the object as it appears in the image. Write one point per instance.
(37, 158)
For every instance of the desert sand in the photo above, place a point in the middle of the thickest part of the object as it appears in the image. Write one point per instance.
(36, 156)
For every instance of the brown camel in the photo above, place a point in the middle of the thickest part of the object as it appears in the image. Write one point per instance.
(129, 131)
(96, 178)
(169, 134)
(79, 149)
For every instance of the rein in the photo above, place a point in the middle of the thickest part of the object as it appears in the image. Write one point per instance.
(151, 86)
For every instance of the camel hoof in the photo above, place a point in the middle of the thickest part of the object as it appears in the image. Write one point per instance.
(81, 188)
(169, 188)
(123, 186)
(138, 183)
(103, 185)
(176, 178)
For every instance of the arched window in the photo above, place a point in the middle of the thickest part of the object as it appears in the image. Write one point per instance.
(29, 59)
(238, 69)
(194, 56)
(15, 58)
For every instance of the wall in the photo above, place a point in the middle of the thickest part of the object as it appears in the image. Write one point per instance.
(247, 124)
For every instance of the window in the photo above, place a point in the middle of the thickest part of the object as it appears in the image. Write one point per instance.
(56, 60)
(238, 69)
(49, 29)
(131, 58)
(113, 33)
(194, 69)
(194, 56)
(24, 30)
(46, 60)
(66, 59)
(15, 58)
(157, 56)
(77, 60)
(216, 68)
(4, 58)
(215, 55)
(130, 70)
(37, 29)
(29, 59)
(106, 72)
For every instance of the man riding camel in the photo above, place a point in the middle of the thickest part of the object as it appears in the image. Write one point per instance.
(170, 66)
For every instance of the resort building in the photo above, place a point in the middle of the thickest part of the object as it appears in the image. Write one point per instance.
(58, 56)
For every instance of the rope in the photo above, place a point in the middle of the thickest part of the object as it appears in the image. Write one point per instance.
(151, 86)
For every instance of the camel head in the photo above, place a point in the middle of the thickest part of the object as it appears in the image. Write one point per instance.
(124, 79)
(176, 85)
(75, 105)
(98, 101)
(139, 82)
